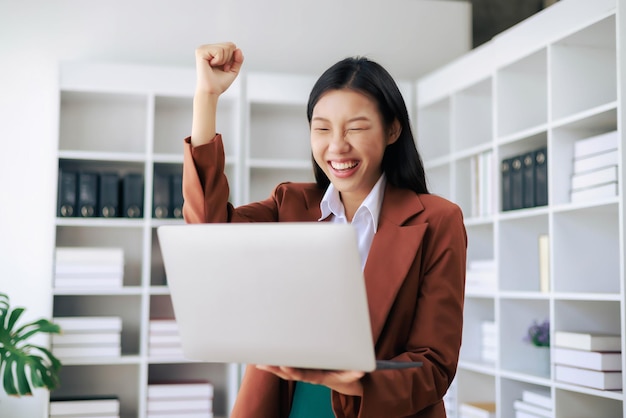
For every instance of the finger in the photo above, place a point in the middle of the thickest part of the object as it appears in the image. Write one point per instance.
(236, 62)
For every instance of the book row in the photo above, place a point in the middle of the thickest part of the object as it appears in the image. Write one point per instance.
(89, 194)
(525, 180)
(88, 337)
(88, 267)
(594, 172)
(590, 360)
(180, 399)
(164, 339)
(189, 399)
(533, 404)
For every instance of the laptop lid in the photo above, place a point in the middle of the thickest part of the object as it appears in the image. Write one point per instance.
(289, 294)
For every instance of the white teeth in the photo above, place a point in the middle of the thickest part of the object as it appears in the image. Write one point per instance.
(343, 166)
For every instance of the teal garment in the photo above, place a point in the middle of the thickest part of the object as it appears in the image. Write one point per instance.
(311, 401)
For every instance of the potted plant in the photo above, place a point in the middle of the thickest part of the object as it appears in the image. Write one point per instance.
(24, 366)
(539, 334)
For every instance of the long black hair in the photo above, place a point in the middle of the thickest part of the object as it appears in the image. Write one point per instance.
(401, 162)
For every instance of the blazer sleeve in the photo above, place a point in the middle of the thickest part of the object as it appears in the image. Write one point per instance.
(206, 191)
(435, 333)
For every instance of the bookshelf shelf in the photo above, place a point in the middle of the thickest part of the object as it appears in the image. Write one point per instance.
(548, 82)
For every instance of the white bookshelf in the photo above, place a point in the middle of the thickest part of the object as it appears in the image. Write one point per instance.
(126, 118)
(546, 82)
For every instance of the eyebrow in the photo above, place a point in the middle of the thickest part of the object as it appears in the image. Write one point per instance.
(355, 119)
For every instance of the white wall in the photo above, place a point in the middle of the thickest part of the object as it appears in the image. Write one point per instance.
(36, 34)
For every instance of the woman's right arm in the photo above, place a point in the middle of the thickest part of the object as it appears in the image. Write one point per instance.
(217, 66)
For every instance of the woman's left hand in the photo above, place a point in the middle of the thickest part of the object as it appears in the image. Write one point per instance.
(343, 381)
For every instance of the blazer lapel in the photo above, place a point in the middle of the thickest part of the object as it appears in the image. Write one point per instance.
(392, 253)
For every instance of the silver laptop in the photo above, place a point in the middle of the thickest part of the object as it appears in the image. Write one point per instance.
(287, 294)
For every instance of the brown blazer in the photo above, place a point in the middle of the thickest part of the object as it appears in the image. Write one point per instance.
(414, 274)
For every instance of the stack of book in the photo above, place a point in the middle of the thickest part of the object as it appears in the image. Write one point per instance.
(489, 341)
(167, 199)
(477, 410)
(88, 267)
(480, 275)
(96, 407)
(163, 339)
(88, 336)
(594, 174)
(482, 180)
(525, 180)
(87, 194)
(588, 359)
(185, 399)
(534, 404)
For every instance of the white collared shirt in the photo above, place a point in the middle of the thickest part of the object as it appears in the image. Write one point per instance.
(365, 219)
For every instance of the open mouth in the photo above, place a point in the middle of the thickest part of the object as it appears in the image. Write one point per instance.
(343, 165)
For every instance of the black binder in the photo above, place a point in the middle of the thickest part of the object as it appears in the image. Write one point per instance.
(517, 184)
(528, 180)
(87, 194)
(108, 201)
(161, 196)
(541, 177)
(505, 170)
(132, 195)
(66, 200)
(176, 190)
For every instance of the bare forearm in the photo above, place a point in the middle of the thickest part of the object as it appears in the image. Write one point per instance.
(203, 128)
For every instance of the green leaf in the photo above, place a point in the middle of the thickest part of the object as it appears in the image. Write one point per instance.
(42, 325)
(7, 380)
(23, 387)
(20, 360)
(15, 315)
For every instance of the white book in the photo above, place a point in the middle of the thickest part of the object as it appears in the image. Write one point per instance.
(85, 255)
(89, 283)
(183, 389)
(602, 191)
(482, 264)
(593, 360)
(163, 339)
(596, 144)
(587, 341)
(75, 351)
(533, 409)
(87, 338)
(594, 177)
(488, 328)
(165, 351)
(88, 323)
(102, 406)
(524, 414)
(595, 162)
(589, 378)
(478, 409)
(537, 397)
(88, 269)
(180, 405)
(163, 325)
(489, 341)
(544, 262)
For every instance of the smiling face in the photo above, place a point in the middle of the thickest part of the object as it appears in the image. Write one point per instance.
(348, 140)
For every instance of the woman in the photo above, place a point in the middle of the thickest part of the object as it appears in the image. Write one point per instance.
(412, 243)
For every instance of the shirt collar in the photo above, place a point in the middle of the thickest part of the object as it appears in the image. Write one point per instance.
(331, 202)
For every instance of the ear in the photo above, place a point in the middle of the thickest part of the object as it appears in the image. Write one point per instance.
(394, 132)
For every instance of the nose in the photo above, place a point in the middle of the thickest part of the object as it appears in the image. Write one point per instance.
(338, 142)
